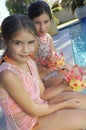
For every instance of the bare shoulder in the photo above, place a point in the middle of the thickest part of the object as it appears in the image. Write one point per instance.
(50, 37)
(51, 43)
(6, 76)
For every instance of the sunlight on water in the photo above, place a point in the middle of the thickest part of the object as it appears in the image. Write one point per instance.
(78, 40)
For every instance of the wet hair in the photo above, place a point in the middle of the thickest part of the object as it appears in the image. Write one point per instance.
(38, 8)
(14, 23)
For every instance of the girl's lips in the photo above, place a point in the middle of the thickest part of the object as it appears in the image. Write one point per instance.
(41, 33)
(26, 56)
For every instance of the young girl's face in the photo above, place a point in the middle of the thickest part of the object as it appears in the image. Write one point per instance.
(42, 24)
(20, 46)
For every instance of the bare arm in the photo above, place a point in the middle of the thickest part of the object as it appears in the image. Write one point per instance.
(52, 44)
(53, 88)
(15, 88)
(52, 91)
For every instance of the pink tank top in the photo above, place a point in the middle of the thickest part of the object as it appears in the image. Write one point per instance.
(9, 106)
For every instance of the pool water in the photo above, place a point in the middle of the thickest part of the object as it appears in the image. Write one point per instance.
(78, 40)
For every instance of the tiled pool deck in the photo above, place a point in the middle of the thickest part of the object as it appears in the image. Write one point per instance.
(62, 44)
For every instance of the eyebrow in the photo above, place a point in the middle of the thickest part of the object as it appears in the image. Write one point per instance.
(16, 41)
(22, 41)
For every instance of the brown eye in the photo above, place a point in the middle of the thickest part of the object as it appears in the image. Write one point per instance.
(31, 42)
(46, 21)
(17, 43)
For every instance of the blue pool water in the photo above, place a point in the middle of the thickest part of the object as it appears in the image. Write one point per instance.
(78, 40)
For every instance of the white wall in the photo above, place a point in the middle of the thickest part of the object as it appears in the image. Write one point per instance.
(64, 15)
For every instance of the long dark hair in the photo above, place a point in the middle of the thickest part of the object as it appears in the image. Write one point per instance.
(12, 24)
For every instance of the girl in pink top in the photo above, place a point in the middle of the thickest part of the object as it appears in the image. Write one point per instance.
(22, 95)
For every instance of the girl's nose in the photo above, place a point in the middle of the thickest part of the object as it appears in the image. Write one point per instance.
(25, 48)
(42, 26)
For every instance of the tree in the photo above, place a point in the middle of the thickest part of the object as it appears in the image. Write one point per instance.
(18, 6)
(73, 4)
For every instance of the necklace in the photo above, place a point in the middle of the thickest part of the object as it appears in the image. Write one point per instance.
(7, 59)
